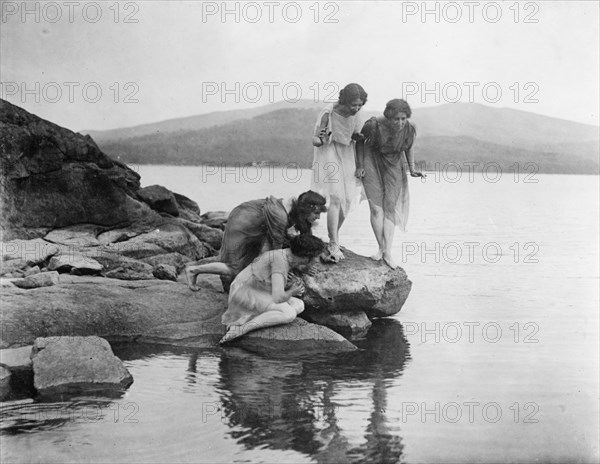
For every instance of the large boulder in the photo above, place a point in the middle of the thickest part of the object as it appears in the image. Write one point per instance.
(357, 283)
(76, 364)
(52, 177)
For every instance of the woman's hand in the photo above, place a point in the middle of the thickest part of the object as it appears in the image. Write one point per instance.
(417, 174)
(360, 172)
(317, 142)
(297, 288)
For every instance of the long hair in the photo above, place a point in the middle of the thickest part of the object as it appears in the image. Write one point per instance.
(307, 246)
(308, 202)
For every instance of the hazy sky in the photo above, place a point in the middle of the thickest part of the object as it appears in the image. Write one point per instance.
(103, 65)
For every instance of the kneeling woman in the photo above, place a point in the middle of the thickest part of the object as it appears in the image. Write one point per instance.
(263, 295)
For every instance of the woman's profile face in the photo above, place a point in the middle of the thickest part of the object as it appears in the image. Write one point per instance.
(398, 120)
(354, 106)
(313, 217)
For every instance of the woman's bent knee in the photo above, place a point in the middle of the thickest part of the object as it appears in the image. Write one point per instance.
(297, 304)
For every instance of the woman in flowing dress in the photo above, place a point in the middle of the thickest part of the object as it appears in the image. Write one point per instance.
(265, 293)
(256, 226)
(381, 165)
(334, 165)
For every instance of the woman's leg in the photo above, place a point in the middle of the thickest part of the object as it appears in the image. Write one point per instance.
(335, 219)
(276, 314)
(388, 238)
(191, 272)
(377, 225)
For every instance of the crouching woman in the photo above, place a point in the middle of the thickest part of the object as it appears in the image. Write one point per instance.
(264, 293)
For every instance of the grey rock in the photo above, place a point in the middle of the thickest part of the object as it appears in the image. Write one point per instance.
(352, 324)
(357, 283)
(74, 262)
(176, 260)
(210, 235)
(31, 271)
(80, 235)
(159, 199)
(216, 219)
(44, 279)
(297, 337)
(19, 254)
(132, 270)
(76, 364)
(53, 178)
(16, 359)
(114, 309)
(165, 272)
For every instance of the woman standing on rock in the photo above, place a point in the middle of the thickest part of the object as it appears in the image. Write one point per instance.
(388, 141)
(260, 295)
(255, 227)
(334, 164)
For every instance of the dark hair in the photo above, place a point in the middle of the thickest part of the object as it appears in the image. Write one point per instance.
(350, 93)
(307, 246)
(395, 106)
(307, 202)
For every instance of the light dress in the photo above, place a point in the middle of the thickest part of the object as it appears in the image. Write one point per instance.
(385, 181)
(250, 292)
(334, 164)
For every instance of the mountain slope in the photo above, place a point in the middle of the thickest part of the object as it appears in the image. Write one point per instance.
(449, 133)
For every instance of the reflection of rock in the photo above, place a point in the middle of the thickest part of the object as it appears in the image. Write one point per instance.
(296, 337)
(289, 403)
(75, 364)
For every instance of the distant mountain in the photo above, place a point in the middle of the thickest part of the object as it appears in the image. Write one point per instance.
(281, 133)
(200, 121)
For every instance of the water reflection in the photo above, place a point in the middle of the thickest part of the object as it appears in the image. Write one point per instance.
(290, 403)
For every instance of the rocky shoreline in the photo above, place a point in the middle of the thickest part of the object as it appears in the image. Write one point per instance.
(86, 252)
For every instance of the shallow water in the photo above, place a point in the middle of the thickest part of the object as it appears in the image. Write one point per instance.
(494, 357)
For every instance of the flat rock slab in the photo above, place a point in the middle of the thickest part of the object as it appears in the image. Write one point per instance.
(357, 283)
(76, 364)
(74, 262)
(81, 235)
(118, 310)
(295, 338)
(16, 359)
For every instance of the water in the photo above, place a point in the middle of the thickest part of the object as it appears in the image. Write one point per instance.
(494, 357)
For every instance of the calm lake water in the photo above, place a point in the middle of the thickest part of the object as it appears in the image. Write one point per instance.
(494, 357)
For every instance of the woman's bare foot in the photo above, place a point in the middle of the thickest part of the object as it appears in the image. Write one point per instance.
(191, 280)
(377, 256)
(387, 258)
(335, 252)
(233, 332)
